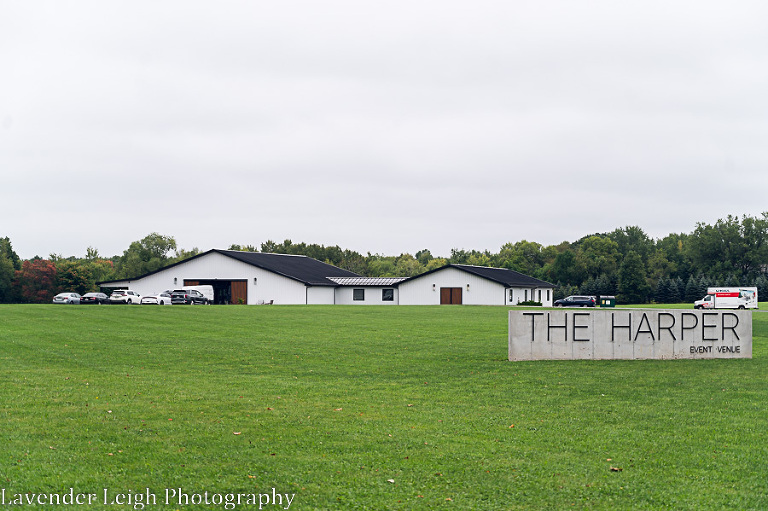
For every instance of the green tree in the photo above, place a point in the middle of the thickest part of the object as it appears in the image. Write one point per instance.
(479, 259)
(407, 266)
(269, 247)
(692, 290)
(354, 261)
(659, 267)
(101, 270)
(632, 239)
(74, 276)
(437, 262)
(380, 266)
(243, 248)
(672, 247)
(147, 255)
(6, 249)
(761, 282)
(7, 273)
(661, 293)
(568, 268)
(9, 264)
(730, 247)
(633, 287)
(524, 256)
(182, 254)
(424, 256)
(600, 255)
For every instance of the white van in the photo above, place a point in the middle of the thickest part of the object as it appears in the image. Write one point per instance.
(206, 291)
(728, 298)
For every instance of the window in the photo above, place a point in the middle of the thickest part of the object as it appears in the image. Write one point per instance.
(511, 295)
(387, 295)
(358, 294)
(539, 294)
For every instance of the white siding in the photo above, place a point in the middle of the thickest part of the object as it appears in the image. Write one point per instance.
(426, 290)
(519, 295)
(320, 295)
(475, 290)
(373, 294)
(265, 286)
(214, 266)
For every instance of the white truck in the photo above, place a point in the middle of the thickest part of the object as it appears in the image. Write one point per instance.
(728, 298)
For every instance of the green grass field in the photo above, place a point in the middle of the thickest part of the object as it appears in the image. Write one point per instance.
(365, 408)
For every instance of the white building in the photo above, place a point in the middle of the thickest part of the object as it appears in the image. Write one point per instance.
(256, 278)
(245, 277)
(474, 285)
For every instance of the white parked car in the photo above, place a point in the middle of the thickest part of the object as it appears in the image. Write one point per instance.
(125, 296)
(66, 298)
(163, 298)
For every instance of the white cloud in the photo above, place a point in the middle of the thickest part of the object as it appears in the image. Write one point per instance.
(379, 127)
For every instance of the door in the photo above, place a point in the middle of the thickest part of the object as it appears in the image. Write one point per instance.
(450, 296)
(239, 292)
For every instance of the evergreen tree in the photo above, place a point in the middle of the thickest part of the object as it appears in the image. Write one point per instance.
(673, 294)
(680, 298)
(761, 283)
(661, 293)
(692, 290)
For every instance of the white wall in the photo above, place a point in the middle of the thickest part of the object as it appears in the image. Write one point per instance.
(214, 266)
(426, 290)
(282, 290)
(344, 295)
(320, 295)
(543, 295)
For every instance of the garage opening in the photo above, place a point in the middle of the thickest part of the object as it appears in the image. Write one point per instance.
(225, 292)
(450, 296)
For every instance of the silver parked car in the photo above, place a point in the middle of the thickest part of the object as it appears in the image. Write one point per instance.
(67, 298)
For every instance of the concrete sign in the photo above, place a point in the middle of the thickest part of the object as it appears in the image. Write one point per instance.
(629, 334)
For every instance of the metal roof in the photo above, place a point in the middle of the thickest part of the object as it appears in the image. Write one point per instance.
(367, 281)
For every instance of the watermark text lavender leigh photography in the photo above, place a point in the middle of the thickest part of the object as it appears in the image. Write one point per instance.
(139, 500)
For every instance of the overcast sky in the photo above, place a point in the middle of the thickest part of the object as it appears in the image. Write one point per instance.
(381, 127)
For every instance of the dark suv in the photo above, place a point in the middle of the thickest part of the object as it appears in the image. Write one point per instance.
(576, 301)
(188, 297)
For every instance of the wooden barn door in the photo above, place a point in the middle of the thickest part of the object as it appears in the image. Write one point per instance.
(450, 296)
(239, 292)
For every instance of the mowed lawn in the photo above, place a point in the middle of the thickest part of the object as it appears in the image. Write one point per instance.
(367, 408)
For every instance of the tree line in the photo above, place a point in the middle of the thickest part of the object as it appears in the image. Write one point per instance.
(625, 262)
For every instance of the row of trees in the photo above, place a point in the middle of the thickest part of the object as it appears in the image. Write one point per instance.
(625, 262)
(37, 280)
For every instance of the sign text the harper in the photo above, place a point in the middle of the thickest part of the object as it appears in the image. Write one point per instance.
(629, 334)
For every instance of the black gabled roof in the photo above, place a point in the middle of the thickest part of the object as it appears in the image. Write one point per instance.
(297, 267)
(509, 278)
(503, 276)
